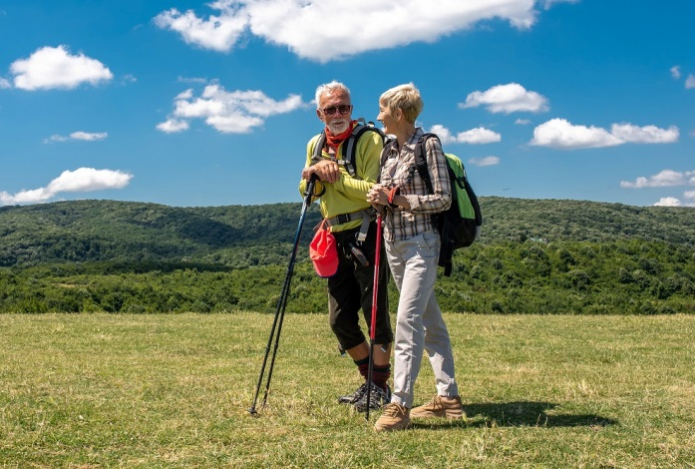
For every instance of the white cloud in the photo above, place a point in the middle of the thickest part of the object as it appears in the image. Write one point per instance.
(689, 194)
(218, 33)
(561, 134)
(487, 161)
(675, 72)
(668, 202)
(5, 84)
(549, 3)
(56, 138)
(478, 135)
(325, 30)
(188, 94)
(443, 133)
(690, 82)
(227, 112)
(89, 136)
(522, 122)
(647, 134)
(79, 135)
(192, 80)
(54, 67)
(507, 99)
(80, 180)
(171, 126)
(665, 178)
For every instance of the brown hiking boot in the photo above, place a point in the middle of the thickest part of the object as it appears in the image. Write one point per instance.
(395, 417)
(440, 406)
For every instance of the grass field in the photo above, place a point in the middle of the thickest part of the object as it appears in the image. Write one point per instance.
(149, 391)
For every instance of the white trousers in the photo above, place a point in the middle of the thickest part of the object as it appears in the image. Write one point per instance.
(419, 322)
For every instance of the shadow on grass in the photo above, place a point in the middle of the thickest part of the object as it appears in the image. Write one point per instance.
(517, 414)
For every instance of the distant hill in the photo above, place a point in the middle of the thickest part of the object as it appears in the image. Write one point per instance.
(535, 256)
(239, 236)
(92, 230)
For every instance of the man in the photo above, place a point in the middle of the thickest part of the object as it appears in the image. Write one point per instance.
(343, 202)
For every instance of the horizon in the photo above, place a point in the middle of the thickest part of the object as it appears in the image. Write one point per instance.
(202, 104)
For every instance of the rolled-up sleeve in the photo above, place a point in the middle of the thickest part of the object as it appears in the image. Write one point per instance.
(439, 175)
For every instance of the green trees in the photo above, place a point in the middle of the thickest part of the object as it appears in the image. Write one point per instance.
(545, 257)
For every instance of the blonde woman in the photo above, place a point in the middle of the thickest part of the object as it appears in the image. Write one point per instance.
(412, 249)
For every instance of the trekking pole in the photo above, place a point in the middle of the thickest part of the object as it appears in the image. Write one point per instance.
(372, 328)
(282, 303)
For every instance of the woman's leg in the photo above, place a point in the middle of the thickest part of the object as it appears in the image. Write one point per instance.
(413, 265)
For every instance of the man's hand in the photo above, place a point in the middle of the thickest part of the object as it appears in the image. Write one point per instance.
(326, 170)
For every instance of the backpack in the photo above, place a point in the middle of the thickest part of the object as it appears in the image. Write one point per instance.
(459, 226)
(349, 148)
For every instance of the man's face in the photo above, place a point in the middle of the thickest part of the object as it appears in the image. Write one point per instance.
(335, 111)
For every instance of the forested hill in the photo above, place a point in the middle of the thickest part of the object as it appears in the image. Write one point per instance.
(238, 236)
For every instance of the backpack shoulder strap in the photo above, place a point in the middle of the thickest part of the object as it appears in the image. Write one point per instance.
(318, 148)
(421, 160)
(388, 146)
(349, 152)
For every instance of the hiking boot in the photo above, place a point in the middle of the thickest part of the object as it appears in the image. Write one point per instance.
(355, 396)
(379, 398)
(395, 417)
(440, 406)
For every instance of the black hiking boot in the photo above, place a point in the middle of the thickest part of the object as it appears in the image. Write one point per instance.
(355, 396)
(378, 399)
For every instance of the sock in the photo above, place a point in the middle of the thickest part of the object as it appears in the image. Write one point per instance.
(363, 367)
(381, 375)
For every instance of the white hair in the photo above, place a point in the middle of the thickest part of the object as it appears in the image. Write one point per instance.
(329, 88)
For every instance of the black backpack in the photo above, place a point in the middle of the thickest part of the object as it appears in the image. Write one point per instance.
(459, 226)
(349, 148)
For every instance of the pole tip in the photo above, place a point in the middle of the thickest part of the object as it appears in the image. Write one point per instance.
(252, 411)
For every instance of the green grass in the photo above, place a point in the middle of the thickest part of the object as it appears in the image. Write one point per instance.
(149, 391)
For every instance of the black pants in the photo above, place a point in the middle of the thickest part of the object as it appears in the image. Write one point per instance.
(352, 288)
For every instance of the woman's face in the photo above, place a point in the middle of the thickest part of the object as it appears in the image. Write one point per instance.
(388, 118)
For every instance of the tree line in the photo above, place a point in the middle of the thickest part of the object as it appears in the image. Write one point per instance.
(510, 277)
(534, 256)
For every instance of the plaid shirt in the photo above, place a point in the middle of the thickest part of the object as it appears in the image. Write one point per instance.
(399, 170)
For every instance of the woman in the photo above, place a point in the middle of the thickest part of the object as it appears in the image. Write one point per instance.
(412, 249)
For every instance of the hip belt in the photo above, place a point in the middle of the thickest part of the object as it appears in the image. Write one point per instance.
(366, 215)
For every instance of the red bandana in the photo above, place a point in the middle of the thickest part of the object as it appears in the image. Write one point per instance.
(335, 140)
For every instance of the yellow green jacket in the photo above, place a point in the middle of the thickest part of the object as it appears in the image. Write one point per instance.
(348, 194)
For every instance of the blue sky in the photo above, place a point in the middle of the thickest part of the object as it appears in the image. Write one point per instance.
(191, 103)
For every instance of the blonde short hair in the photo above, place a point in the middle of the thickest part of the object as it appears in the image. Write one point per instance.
(406, 98)
(330, 88)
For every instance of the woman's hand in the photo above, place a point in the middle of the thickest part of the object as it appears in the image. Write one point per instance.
(378, 195)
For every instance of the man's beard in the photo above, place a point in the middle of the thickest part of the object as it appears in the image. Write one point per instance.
(338, 126)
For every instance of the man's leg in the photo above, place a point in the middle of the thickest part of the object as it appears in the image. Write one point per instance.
(383, 334)
(344, 295)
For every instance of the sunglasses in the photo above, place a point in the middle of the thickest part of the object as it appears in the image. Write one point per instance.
(343, 109)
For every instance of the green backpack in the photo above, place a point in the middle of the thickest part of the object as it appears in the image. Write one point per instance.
(459, 226)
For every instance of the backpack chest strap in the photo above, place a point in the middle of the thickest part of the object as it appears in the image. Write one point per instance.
(366, 215)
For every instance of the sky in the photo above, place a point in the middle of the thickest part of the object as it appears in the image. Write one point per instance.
(193, 103)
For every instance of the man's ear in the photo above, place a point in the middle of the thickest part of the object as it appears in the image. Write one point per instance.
(318, 114)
